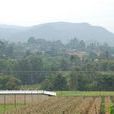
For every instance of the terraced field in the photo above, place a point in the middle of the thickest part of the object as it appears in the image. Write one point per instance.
(68, 105)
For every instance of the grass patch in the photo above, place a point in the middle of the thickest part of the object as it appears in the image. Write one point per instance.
(85, 93)
(30, 87)
(8, 107)
(5, 108)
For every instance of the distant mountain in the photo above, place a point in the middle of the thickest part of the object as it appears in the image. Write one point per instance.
(63, 31)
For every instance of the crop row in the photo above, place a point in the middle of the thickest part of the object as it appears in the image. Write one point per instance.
(66, 105)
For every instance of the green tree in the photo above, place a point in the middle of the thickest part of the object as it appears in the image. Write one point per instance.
(29, 69)
(9, 83)
(57, 83)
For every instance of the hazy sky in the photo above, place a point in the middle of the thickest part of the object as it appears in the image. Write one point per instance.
(31, 12)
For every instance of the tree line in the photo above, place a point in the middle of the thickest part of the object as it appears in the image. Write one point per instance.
(57, 66)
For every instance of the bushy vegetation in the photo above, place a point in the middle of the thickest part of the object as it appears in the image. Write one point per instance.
(56, 66)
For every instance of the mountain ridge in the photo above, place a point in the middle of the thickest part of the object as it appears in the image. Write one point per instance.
(63, 31)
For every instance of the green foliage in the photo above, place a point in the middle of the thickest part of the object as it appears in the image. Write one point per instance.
(112, 109)
(57, 66)
(29, 69)
(105, 82)
(9, 83)
(57, 82)
(103, 105)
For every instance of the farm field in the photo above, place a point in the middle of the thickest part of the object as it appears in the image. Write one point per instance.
(10, 102)
(69, 105)
(85, 93)
(66, 102)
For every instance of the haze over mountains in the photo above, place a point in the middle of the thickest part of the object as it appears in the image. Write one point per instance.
(63, 31)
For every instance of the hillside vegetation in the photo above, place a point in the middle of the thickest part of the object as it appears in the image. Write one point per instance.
(42, 64)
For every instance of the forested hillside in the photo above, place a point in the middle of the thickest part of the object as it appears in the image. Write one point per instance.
(64, 31)
(53, 65)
